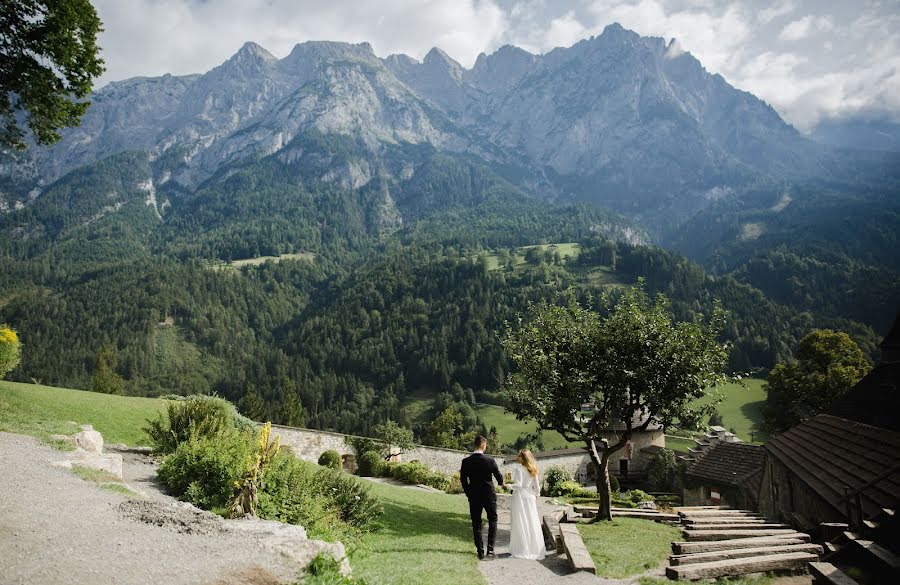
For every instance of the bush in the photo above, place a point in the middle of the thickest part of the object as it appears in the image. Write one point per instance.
(555, 476)
(614, 484)
(413, 472)
(203, 470)
(355, 505)
(455, 486)
(10, 350)
(662, 470)
(331, 459)
(574, 489)
(370, 464)
(195, 416)
(325, 570)
(638, 496)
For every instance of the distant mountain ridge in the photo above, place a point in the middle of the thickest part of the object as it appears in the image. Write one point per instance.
(626, 121)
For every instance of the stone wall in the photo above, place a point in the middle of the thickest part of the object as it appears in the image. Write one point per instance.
(309, 444)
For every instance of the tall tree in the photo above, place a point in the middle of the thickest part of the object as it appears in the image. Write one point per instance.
(393, 436)
(48, 62)
(106, 379)
(291, 412)
(828, 364)
(578, 373)
(252, 406)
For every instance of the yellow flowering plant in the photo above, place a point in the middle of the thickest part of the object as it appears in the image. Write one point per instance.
(10, 349)
(247, 487)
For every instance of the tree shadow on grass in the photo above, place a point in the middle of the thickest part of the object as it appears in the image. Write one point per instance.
(753, 411)
(409, 519)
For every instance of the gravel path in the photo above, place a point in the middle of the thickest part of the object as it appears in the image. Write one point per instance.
(58, 529)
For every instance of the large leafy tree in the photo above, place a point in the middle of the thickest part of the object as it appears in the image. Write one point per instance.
(392, 435)
(828, 364)
(48, 62)
(578, 373)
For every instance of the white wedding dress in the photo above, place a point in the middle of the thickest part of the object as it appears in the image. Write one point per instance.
(526, 538)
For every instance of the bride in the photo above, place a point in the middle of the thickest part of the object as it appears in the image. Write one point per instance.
(526, 537)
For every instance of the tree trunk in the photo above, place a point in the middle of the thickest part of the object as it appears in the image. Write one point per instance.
(604, 511)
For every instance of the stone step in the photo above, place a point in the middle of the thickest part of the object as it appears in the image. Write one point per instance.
(686, 508)
(878, 553)
(646, 514)
(692, 535)
(737, 526)
(739, 553)
(577, 553)
(778, 562)
(682, 548)
(724, 520)
(715, 513)
(826, 573)
(552, 534)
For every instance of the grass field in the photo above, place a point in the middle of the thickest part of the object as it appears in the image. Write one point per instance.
(566, 250)
(511, 429)
(426, 539)
(628, 546)
(41, 411)
(741, 410)
(238, 264)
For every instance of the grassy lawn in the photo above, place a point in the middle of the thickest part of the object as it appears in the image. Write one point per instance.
(41, 411)
(426, 540)
(511, 429)
(628, 546)
(741, 409)
(566, 250)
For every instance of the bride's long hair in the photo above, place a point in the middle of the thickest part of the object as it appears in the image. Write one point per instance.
(527, 460)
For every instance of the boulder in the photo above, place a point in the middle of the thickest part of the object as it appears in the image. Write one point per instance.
(290, 540)
(110, 463)
(89, 440)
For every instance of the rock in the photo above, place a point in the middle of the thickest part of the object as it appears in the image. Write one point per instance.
(89, 440)
(290, 540)
(646, 505)
(110, 462)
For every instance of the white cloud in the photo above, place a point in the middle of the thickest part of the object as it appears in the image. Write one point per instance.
(152, 37)
(776, 10)
(804, 27)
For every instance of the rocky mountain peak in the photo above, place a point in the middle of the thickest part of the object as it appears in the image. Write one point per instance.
(438, 61)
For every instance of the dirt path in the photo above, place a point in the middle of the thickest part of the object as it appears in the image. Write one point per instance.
(57, 529)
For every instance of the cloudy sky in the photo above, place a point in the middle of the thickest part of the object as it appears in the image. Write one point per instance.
(810, 59)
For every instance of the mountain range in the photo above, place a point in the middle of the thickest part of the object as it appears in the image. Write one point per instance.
(356, 164)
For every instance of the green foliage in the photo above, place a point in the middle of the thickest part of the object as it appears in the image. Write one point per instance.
(573, 489)
(715, 419)
(330, 459)
(106, 380)
(193, 417)
(416, 473)
(10, 350)
(636, 496)
(252, 406)
(614, 487)
(828, 364)
(325, 570)
(203, 469)
(290, 412)
(351, 498)
(662, 470)
(49, 61)
(455, 486)
(448, 431)
(370, 464)
(554, 477)
(247, 493)
(392, 434)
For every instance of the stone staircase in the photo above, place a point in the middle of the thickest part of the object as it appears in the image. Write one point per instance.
(720, 542)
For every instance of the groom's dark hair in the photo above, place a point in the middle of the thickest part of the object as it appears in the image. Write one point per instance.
(480, 442)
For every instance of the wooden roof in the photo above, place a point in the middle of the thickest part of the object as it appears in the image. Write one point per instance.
(728, 463)
(828, 453)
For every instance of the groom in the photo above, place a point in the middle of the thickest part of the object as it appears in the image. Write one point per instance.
(476, 477)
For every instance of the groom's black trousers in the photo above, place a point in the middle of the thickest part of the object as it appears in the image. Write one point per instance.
(476, 506)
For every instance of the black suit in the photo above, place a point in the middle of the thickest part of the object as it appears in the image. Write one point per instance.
(477, 474)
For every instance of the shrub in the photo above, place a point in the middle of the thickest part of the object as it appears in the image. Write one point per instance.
(614, 484)
(573, 489)
(331, 459)
(203, 470)
(555, 476)
(10, 350)
(638, 496)
(290, 493)
(662, 470)
(413, 472)
(370, 464)
(455, 486)
(195, 416)
(355, 505)
(325, 570)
